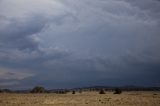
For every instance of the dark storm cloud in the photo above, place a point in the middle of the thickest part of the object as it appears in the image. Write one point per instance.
(152, 7)
(68, 43)
(20, 50)
(18, 33)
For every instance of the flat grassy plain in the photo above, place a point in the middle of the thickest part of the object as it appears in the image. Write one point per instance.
(84, 99)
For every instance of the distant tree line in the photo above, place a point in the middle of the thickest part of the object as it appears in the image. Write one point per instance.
(39, 89)
(100, 90)
(5, 91)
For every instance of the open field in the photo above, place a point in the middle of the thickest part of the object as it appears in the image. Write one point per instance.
(84, 99)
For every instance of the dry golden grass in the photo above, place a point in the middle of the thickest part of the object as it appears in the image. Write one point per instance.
(84, 99)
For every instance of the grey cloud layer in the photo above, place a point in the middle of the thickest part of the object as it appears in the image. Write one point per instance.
(73, 43)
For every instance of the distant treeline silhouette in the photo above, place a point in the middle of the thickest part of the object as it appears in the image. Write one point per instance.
(5, 91)
(100, 89)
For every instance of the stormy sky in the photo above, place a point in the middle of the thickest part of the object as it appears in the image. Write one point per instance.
(74, 43)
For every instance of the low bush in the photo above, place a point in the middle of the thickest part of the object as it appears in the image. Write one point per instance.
(38, 89)
(101, 91)
(73, 92)
(117, 91)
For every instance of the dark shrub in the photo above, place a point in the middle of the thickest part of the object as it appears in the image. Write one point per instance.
(0, 91)
(38, 89)
(73, 92)
(117, 91)
(101, 91)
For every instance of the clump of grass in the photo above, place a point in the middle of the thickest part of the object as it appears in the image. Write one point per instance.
(155, 94)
